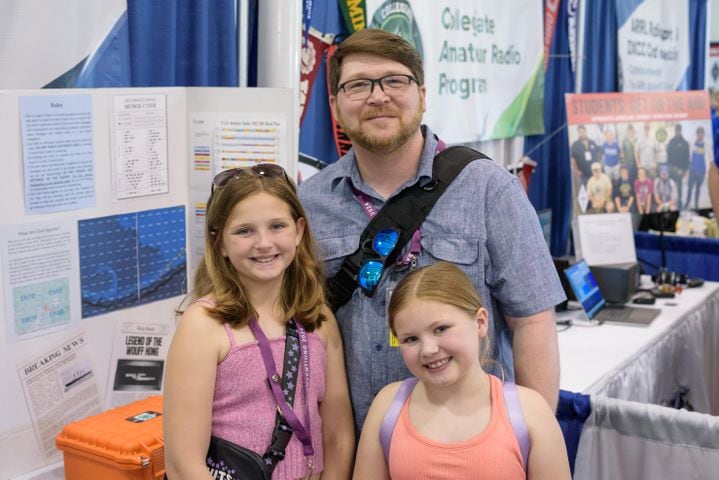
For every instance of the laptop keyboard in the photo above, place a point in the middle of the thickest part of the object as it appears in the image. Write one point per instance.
(613, 314)
(628, 315)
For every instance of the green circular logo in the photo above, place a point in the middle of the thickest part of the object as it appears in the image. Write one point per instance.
(661, 134)
(395, 16)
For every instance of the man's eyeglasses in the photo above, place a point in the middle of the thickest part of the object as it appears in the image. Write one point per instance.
(371, 270)
(362, 88)
(264, 170)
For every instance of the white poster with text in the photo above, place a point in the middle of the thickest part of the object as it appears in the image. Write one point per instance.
(60, 387)
(40, 277)
(58, 152)
(138, 362)
(140, 125)
(483, 63)
(652, 44)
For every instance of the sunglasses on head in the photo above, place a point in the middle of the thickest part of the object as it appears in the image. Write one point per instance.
(262, 170)
(371, 270)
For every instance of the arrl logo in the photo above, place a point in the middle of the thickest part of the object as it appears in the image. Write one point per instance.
(395, 16)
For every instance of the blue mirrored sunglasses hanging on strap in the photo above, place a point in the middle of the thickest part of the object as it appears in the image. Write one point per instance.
(402, 214)
(371, 270)
(383, 243)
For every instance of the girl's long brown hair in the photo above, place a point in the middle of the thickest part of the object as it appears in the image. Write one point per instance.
(302, 293)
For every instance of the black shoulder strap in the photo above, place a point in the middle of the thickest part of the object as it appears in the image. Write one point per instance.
(404, 213)
(282, 433)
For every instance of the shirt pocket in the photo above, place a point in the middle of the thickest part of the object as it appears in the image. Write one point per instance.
(333, 251)
(461, 251)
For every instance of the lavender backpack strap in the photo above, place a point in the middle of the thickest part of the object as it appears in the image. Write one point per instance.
(390, 418)
(516, 418)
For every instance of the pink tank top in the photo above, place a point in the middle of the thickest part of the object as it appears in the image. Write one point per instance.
(493, 454)
(243, 408)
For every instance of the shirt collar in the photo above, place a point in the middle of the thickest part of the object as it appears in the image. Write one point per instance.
(346, 167)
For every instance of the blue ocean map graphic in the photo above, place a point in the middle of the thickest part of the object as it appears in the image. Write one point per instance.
(132, 259)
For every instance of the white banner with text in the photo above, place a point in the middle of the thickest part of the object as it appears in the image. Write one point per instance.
(483, 63)
(652, 44)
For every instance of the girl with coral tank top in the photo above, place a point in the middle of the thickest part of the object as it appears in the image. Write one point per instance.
(453, 423)
(259, 282)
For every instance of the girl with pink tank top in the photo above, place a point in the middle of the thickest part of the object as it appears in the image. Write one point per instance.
(258, 273)
(454, 424)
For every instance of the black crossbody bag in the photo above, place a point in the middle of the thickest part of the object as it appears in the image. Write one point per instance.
(233, 461)
(403, 213)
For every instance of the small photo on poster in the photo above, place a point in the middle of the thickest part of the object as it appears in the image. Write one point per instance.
(76, 374)
(138, 375)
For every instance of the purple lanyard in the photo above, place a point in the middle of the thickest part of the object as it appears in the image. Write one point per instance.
(415, 246)
(303, 434)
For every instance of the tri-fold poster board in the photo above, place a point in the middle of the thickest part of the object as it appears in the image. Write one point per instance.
(103, 197)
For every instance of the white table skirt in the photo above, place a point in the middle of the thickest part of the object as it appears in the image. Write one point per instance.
(624, 440)
(684, 357)
(650, 364)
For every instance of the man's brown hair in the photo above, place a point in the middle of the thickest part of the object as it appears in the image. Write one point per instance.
(374, 41)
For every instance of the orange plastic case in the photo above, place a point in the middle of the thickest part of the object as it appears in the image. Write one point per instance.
(124, 443)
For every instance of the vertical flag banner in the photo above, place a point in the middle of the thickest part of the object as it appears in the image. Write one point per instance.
(572, 24)
(354, 14)
(712, 73)
(652, 44)
(311, 58)
(484, 80)
(551, 10)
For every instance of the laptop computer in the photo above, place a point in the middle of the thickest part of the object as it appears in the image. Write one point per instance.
(585, 287)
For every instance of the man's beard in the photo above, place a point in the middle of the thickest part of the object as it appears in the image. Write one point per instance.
(362, 138)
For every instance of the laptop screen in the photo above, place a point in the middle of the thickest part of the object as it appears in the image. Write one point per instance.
(585, 288)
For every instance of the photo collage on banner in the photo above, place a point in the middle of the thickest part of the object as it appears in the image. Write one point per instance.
(639, 152)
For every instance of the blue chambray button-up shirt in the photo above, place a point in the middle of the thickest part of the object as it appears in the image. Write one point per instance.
(483, 223)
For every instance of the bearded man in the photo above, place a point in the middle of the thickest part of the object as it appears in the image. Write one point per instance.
(483, 223)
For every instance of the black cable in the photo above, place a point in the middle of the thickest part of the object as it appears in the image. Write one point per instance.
(565, 325)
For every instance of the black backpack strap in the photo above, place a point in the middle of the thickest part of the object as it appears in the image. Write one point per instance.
(403, 213)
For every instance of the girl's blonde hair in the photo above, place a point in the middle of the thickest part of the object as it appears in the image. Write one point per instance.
(441, 282)
(302, 294)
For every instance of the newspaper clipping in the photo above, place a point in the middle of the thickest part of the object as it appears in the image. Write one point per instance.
(59, 387)
(138, 362)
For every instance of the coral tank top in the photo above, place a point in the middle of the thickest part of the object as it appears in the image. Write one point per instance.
(493, 454)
